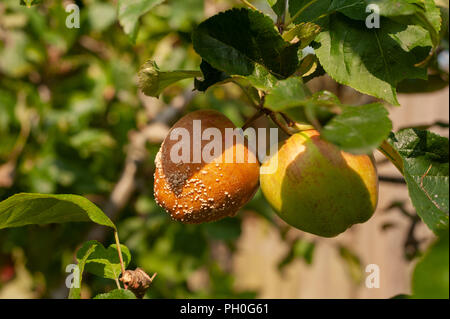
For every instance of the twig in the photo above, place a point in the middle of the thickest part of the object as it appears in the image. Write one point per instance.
(279, 124)
(391, 179)
(387, 150)
(117, 283)
(411, 243)
(289, 121)
(248, 4)
(119, 251)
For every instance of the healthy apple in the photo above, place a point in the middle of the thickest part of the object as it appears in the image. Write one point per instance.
(318, 188)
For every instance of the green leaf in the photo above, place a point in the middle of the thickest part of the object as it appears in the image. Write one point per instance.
(425, 157)
(287, 94)
(356, 9)
(431, 275)
(117, 294)
(211, 76)
(373, 61)
(244, 42)
(30, 208)
(293, 98)
(303, 32)
(309, 10)
(308, 66)
(83, 254)
(129, 12)
(359, 129)
(152, 81)
(103, 262)
(421, 12)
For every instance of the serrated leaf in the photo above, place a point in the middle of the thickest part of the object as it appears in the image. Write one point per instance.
(103, 262)
(431, 275)
(358, 129)
(117, 294)
(129, 12)
(425, 158)
(422, 12)
(31, 208)
(372, 61)
(360, 10)
(152, 81)
(245, 43)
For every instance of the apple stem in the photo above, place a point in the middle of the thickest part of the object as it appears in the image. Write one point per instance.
(119, 251)
(280, 124)
(248, 4)
(387, 150)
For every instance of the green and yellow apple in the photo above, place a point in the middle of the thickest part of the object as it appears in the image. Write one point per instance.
(318, 188)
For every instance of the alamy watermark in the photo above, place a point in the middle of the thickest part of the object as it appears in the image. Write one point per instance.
(189, 149)
(373, 279)
(73, 279)
(73, 19)
(373, 19)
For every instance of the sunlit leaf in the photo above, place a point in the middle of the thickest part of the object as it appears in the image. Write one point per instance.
(359, 129)
(31, 209)
(244, 42)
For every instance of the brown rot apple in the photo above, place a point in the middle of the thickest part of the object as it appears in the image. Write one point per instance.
(318, 188)
(203, 172)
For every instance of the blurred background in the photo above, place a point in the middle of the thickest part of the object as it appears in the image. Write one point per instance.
(73, 121)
